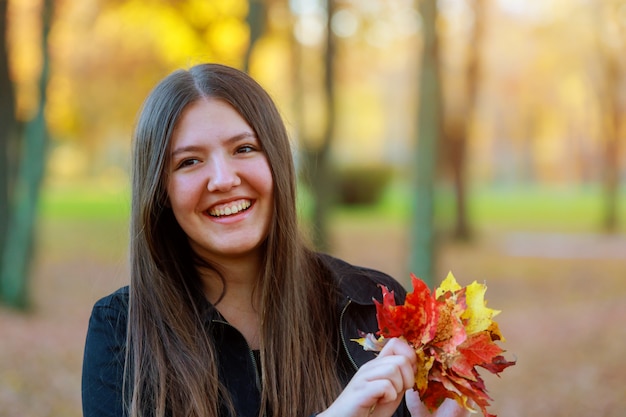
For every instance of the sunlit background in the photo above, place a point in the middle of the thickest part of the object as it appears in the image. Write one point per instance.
(540, 127)
(542, 94)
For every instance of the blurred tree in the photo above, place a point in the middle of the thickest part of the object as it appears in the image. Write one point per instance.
(7, 124)
(611, 32)
(256, 19)
(17, 255)
(316, 153)
(612, 131)
(424, 246)
(457, 125)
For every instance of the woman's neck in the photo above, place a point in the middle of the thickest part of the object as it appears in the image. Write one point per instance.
(239, 275)
(236, 296)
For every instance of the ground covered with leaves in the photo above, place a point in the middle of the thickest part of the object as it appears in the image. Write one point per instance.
(563, 302)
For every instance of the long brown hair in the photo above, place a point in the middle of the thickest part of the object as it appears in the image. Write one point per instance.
(171, 360)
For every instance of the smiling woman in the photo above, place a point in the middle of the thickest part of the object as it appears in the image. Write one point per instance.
(228, 311)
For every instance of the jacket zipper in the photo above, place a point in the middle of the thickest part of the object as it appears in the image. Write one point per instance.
(250, 354)
(343, 338)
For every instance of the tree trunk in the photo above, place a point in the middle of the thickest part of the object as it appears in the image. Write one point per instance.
(424, 245)
(21, 231)
(323, 185)
(610, 47)
(7, 127)
(316, 157)
(256, 25)
(612, 146)
(462, 228)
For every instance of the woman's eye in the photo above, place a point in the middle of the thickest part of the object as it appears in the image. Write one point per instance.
(245, 149)
(188, 162)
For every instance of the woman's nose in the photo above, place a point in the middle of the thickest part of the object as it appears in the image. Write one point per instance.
(222, 176)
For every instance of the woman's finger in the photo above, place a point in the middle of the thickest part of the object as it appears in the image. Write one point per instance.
(400, 348)
(397, 369)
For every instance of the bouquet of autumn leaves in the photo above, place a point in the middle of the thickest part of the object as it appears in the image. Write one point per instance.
(452, 332)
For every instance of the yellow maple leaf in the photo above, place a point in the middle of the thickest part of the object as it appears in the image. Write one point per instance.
(424, 363)
(448, 284)
(478, 315)
(370, 342)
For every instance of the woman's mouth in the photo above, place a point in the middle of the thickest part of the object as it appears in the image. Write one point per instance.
(229, 209)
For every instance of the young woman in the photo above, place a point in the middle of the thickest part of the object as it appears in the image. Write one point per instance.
(228, 312)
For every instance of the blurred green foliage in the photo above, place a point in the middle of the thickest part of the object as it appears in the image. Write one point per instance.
(533, 208)
(519, 208)
(362, 184)
(84, 202)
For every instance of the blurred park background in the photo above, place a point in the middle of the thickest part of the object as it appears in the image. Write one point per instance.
(486, 137)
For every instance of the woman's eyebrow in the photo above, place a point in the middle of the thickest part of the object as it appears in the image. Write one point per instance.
(230, 140)
(236, 138)
(185, 149)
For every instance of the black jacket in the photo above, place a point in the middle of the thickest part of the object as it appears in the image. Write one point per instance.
(104, 356)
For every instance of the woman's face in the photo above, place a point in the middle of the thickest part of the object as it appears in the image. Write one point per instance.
(220, 185)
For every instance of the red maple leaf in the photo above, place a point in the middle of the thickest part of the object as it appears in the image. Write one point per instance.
(497, 365)
(477, 350)
(386, 315)
(416, 319)
(474, 390)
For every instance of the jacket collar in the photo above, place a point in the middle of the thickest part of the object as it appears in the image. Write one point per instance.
(357, 284)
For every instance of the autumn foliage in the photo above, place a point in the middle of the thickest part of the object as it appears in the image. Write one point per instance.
(453, 333)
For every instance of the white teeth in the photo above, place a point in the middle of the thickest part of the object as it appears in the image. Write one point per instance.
(229, 209)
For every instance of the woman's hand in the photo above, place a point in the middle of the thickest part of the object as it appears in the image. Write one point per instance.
(449, 408)
(378, 387)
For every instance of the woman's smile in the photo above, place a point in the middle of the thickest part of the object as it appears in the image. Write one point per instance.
(229, 209)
